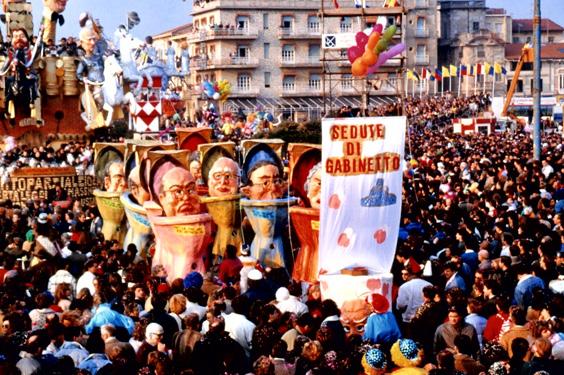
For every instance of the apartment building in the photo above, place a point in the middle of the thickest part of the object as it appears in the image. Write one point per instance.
(551, 32)
(270, 51)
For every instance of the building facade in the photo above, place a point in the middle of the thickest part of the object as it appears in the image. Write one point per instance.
(270, 51)
(522, 31)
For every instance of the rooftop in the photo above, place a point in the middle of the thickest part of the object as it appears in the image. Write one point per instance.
(496, 11)
(552, 51)
(178, 30)
(526, 25)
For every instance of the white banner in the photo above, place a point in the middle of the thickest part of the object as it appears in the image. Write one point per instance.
(361, 192)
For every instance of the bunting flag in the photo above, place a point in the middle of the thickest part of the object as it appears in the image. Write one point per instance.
(453, 71)
(424, 73)
(463, 70)
(336, 4)
(416, 76)
(438, 74)
(409, 74)
(491, 71)
(478, 69)
(445, 72)
(472, 71)
(497, 68)
(486, 70)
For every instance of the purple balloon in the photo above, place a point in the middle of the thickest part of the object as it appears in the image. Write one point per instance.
(354, 53)
(385, 56)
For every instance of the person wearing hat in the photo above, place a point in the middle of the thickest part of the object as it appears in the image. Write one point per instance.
(381, 327)
(153, 342)
(286, 302)
(408, 357)
(374, 362)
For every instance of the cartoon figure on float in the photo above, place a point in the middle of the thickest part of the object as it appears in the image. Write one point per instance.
(305, 177)
(139, 231)
(222, 175)
(21, 83)
(354, 315)
(108, 162)
(52, 13)
(266, 206)
(182, 232)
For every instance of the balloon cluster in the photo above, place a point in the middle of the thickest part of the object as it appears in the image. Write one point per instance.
(373, 50)
(219, 90)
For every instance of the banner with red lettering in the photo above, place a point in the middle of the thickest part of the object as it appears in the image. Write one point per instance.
(361, 192)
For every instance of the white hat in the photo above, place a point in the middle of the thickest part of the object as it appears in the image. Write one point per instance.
(43, 217)
(154, 329)
(282, 294)
(254, 275)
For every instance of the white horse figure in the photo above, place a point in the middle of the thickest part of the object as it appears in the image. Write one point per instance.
(112, 94)
(132, 72)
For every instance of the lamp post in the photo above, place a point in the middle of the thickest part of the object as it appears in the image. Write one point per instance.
(537, 81)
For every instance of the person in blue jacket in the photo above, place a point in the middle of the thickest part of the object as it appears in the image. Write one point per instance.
(381, 327)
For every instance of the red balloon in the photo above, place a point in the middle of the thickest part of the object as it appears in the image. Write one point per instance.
(361, 39)
(354, 53)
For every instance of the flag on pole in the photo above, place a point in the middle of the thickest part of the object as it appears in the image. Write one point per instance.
(472, 71)
(438, 74)
(453, 71)
(409, 74)
(416, 76)
(445, 72)
(463, 70)
(503, 71)
(492, 70)
(497, 68)
(478, 69)
(486, 69)
(423, 73)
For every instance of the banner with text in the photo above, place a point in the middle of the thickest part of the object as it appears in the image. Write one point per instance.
(361, 192)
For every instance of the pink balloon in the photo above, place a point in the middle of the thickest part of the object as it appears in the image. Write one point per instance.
(361, 39)
(378, 28)
(354, 53)
(385, 56)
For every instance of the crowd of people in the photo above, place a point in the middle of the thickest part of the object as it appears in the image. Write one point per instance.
(478, 279)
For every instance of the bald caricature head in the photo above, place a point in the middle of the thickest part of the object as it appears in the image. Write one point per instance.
(177, 193)
(223, 178)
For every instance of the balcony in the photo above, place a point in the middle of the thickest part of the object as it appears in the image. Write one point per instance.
(422, 59)
(244, 92)
(291, 63)
(225, 33)
(293, 90)
(421, 33)
(290, 33)
(236, 62)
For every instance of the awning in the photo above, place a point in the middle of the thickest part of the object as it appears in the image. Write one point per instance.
(302, 103)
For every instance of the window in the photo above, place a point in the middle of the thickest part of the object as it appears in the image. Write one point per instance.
(420, 23)
(314, 82)
(197, 24)
(267, 50)
(480, 52)
(212, 20)
(314, 52)
(391, 20)
(267, 79)
(561, 81)
(497, 28)
(289, 84)
(212, 51)
(265, 21)
(518, 88)
(346, 24)
(287, 22)
(288, 53)
(420, 3)
(475, 26)
(533, 85)
(242, 22)
(244, 82)
(313, 24)
(346, 82)
(515, 39)
(421, 54)
(550, 39)
(242, 51)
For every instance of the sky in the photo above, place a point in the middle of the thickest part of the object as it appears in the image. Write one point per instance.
(161, 15)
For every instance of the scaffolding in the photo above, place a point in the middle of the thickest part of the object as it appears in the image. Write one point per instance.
(335, 63)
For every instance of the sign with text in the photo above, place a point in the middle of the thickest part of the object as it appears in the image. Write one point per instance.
(361, 192)
(32, 183)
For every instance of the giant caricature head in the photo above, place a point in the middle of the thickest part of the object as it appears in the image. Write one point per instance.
(354, 314)
(312, 186)
(196, 170)
(177, 193)
(137, 191)
(114, 177)
(55, 5)
(223, 178)
(88, 39)
(264, 182)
